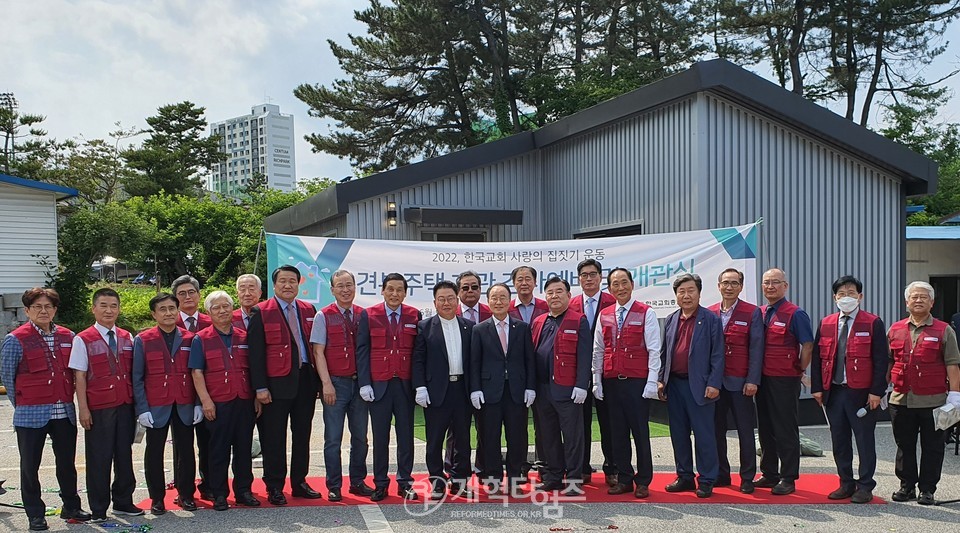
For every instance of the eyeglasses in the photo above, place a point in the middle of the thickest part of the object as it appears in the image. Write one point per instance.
(731, 283)
(448, 299)
(191, 292)
(498, 298)
(589, 275)
(470, 288)
(773, 282)
(45, 307)
(221, 307)
(342, 286)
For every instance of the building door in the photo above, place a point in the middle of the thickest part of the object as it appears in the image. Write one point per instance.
(947, 301)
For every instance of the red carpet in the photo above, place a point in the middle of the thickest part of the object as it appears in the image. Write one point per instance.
(812, 489)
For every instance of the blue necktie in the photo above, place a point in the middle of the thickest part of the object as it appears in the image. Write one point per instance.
(591, 312)
(621, 315)
(112, 342)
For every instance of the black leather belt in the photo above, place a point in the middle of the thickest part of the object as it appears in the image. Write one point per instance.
(456, 377)
(680, 376)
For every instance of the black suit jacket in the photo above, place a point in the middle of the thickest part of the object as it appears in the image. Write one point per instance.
(281, 387)
(490, 368)
(431, 368)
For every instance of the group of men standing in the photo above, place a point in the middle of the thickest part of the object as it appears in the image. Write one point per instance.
(212, 378)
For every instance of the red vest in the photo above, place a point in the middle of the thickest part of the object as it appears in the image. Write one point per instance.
(166, 378)
(227, 372)
(43, 377)
(391, 350)
(736, 338)
(276, 334)
(781, 356)
(564, 346)
(625, 352)
(109, 383)
(859, 363)
(918, 367)
(203, 321)
(340, 351)
(238, 319)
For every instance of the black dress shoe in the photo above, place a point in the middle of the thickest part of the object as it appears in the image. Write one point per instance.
(407, 493)
(842, 493)
(127, 510)
(550, 486)
(862, 496)
(619, 488)
(722, 482)
(38, 523)
(572, 490)
(157, 508)
(746, 486)
(361, 490)
(206, 495)
(904, 494)
(334, 495)
(378, 494)
(187, 504)
(612, 480)
(220, 503)
(705, 490)
(783, 488)
(76, 514)
(276, 497)
(460, 490)
(304, 490)
(764, 482)
(247, 499)
(681, 485)
(926, 498)
(98, 518)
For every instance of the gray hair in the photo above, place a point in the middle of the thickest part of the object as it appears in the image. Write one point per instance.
(918, 285)
(342, 272)
(245, 277)
(183, 280)
(214, 296)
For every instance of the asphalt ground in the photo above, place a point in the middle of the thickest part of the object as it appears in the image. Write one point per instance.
(646, 516)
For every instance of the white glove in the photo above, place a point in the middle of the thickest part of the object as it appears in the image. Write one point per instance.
(146, 420)
(423, 397)
(197, 414)
(366, 393)
(476, 398)
(529, 396)
(598, 390)
(579, 395)
(650, 391)
(953, 398)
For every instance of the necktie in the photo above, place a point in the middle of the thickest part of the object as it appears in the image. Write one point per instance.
(591, 311)
(502, 331)
(348, 317)
(191, 323)
(769, 315)
(112, 342)
(393, 323)
(473, 315)
(295, 330)
(841, 359)
(246, 322)
(620, 316)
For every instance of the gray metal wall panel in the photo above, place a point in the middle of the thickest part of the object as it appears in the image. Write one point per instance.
(805, 191)
(639, 168)
(510, 184)
(338, 225)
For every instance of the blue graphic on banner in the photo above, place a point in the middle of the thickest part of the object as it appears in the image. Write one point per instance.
(736, 245)
(315, 272)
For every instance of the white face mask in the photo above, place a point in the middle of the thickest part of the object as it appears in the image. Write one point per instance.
(847, 304)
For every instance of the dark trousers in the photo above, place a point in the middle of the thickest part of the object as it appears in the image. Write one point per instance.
(109, 445)
(842, 406)
(231, 431)
(203, 453)
(184, 463)
(504, 418)
(299, 411)
(351, 408)
(686, 414)
(778, 426)
(396, 404)
(452, 415)
(30, 442)
(742, 409)
(560, 433)
(631, 415)
(603, 421)
(907, 423)
(451, 444)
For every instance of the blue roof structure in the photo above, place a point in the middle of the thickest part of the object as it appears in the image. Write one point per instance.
(61, 192)
(933, 233)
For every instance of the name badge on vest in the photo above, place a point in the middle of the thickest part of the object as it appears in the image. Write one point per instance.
(779, 324)
(572, 331)
(410, 325)
(862, 334)
(244, 346)
(128, 348)
(311, 318)
(635, 323)
(66, 345)
(185, 348)
(740, 323)
(932, 339)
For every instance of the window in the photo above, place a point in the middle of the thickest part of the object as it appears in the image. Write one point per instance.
(453, 235)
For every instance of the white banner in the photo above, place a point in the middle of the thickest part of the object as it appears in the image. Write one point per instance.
(654, 260)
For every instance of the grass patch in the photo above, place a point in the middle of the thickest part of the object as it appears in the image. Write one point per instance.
(420, 430)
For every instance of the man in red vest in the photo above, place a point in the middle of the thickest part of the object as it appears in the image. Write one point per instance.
(249, 291)
(282, 374)
(563, 350)
(164, 399)
(334, 340)
(743, 359)
(386, 336)
(626, 366)
(590, 303)
(220, 366)
(787, 351)
(924, 372)
(33, 365)
(187, 290)
(849, 373)
(526, 307)
(102, 357)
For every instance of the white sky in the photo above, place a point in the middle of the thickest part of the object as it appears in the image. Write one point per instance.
(88, 64)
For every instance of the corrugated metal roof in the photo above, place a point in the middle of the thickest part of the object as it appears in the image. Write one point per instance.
(933, 233)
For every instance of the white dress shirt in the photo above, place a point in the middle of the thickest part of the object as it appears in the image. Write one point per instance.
(454, 341)
(78, 353)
